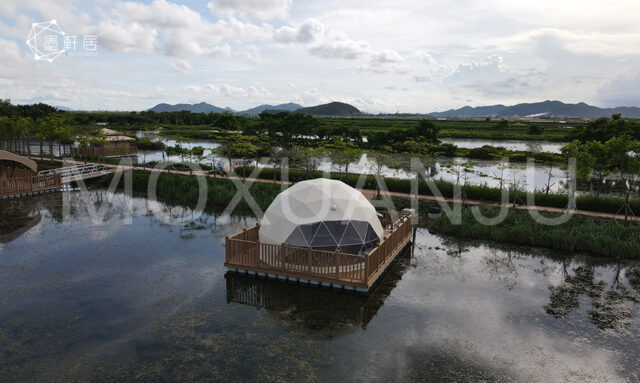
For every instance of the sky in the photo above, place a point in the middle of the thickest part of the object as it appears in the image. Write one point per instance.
(378, 55)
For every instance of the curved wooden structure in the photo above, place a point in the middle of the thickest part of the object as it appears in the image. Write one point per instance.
(6, 157)
(244, 251)
(18, 176)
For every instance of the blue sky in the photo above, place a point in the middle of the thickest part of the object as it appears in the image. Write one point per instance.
(379, 55)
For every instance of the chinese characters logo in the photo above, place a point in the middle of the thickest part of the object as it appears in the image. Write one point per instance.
(47, 41)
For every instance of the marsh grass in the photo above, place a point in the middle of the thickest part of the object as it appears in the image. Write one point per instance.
(593, 235)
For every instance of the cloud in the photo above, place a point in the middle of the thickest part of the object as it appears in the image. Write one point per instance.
(621, 91)
(261, 9)
(173, 29)
(489, 77)
(182, 66)
(131, 38)
(36, 81)
(341, 49)
(322, 42)
(251, 53)
(226, 90)
(392, 61)
(307, 32)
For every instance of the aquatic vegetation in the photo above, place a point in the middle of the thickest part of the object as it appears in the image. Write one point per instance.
(599, 236)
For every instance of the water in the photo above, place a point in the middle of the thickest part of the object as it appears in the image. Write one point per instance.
(151, 302)
(478, 172)
(516, 145)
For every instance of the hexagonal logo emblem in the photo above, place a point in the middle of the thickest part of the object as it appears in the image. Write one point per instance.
(46, 40)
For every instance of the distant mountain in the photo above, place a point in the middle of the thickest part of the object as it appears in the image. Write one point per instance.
(331, 109)
(202, 107)
(63, 108)
(289, 107)
(540, 109)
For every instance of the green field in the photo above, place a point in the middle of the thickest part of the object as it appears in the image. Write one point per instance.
(468, 129)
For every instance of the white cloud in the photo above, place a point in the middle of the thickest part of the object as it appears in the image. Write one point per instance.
(322, 42)
(307, 32)
(173, 29)
(262, 9)
(123, 37)
(340, 49)
(251, 53)
(494, 51)
(621, 91)
(182, 66)
(230, 91)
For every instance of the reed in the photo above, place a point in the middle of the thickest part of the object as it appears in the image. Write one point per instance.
(583, 234)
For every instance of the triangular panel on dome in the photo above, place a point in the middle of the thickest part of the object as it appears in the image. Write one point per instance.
(297, 238)
(351, 236)
(309, 230)
(323, 237)
(336, 228)
(361, 227)
(371, 235)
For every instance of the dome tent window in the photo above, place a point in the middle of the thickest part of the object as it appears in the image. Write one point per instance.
(325, 215)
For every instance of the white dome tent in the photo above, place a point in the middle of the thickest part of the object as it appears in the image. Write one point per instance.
(323, 214)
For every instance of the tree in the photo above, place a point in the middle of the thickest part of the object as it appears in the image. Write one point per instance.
(343, 154)
(381, 158)
(429, 130)
(278, 158)
(584, 162)
(625, 160)
(535, 130)
(600, 169)
(306, 156)
(238, 146)
(502, 125)
(245, 150)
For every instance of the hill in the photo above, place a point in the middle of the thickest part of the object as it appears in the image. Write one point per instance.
(202, 107)
(540, 109)
(289, 107)
(331, 109)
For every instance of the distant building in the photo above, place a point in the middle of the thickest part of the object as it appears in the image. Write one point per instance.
(115, 145)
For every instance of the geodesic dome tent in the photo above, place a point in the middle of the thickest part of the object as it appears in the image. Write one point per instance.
(323, 214)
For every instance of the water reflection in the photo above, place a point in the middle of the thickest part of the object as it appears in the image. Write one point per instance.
(82, 300)
(313, 311)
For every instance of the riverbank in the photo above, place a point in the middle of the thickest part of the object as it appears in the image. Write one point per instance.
(594, 235)
(603, 237)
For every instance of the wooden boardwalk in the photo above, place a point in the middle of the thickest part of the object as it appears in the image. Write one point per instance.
(245, 252)
(29, 185)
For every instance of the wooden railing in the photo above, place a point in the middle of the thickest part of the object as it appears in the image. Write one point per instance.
(104, 151)
(29, 184)
(245, 251)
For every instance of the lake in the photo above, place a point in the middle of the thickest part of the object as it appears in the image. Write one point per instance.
(515, 145)
(97, 299)
(478, 172)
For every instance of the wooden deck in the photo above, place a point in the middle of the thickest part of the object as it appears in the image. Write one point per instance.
(30, 184)
(244, 251)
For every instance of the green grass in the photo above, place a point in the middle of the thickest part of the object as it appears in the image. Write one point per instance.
(598, 236)
(183, 190)
(467, 129)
